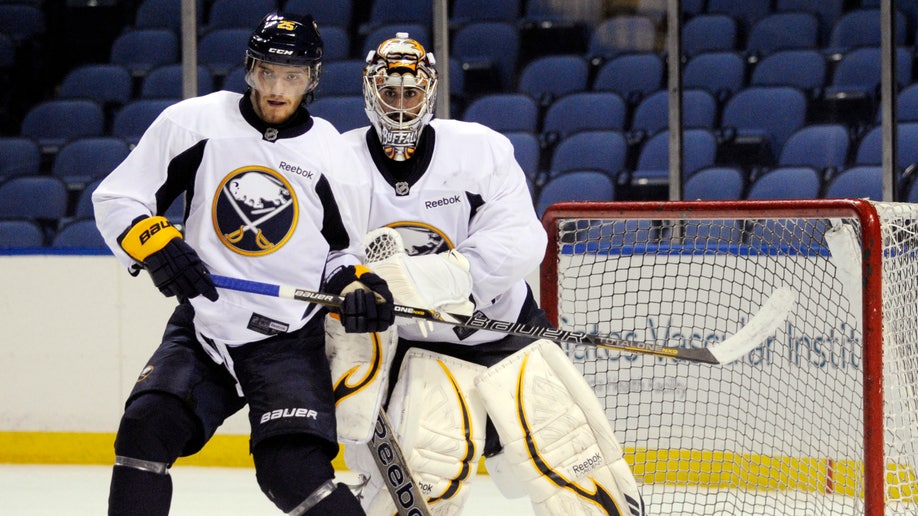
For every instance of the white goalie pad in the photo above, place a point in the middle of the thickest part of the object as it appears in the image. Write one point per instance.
(558, 446)
(360, 370)
(440, 422)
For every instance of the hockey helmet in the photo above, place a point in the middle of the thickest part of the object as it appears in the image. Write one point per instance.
(286, 40)
(400, 92)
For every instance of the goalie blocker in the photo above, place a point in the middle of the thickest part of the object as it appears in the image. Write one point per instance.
(559, 449)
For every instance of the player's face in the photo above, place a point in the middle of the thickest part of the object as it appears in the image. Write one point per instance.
(278, 90)
(401, 101)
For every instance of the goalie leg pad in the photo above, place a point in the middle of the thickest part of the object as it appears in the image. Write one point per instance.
(436, 412)
(558, 444)
(360, 370)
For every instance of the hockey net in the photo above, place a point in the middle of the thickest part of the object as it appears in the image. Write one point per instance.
(821, 418)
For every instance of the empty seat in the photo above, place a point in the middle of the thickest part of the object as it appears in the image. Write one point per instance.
(164, 14)
(633, 76)
(746, 12)
(19, 156)
(824, 147)
(786, 183)
(722, 74)
(166, 82)
(527, 152)
(387, 12)
(33, 197)
(858, 181)
(83, 160)
(861, 28)
(709, 33)
(575, 185)
(108, 84)
(468, 11)
(343, 77)
(783, 31)
(235, 14)
(804, 69)
(416, 31)
(504, 112)
(220, 50)
(132, 120)
(621, 34)
(870, 148)
(337, 13)
(699, 109)
(141, 50)
(758, 120)
(79, 234)
(345, 112)
(851, 95)
(549, 77)
(336, 44)
(488, 52)
(604, 151)
(235, 80)
(652, 168)
(53, 122)
(583, 111)
(826, 11)
(15, 233)
(715, 183)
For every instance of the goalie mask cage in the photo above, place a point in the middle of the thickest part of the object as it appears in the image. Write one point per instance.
(821, 418)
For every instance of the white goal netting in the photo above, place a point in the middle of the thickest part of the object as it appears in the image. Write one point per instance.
(821, 418)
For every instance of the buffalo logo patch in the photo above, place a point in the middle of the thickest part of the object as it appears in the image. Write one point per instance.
(255, 211)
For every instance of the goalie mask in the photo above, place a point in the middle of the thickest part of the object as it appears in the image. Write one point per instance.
(399, 92)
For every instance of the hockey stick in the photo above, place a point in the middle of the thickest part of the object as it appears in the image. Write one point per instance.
(393, 467)
(759, 327)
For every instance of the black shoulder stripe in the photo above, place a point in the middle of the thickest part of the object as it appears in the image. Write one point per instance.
(180, 178)
(475, 202)
(332, 226)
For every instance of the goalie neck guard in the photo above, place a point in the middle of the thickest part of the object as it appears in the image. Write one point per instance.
(399, 91)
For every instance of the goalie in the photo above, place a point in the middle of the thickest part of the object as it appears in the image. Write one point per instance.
(458, 234)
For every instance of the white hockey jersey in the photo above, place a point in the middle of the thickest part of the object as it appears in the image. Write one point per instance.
(280, 205)
(473, 197)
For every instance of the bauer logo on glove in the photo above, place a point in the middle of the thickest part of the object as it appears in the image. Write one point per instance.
(173, 265)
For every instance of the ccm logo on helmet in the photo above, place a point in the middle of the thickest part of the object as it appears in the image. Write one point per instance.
(288, 412)
(280, 51)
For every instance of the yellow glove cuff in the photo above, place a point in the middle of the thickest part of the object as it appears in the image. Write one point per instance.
(148, 236)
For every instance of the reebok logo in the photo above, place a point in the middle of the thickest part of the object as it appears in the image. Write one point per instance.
(287, 167)
(445, 201)
(589, 464)
(289, 412)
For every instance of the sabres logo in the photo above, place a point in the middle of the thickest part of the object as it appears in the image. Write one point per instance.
(255, 211)
(420, 238)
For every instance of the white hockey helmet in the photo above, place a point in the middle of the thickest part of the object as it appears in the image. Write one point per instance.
(399, 92)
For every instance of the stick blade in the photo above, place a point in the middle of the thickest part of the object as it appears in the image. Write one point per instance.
(763, 324)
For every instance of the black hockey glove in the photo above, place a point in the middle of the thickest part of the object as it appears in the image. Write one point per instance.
(367, 305)
(173, 265)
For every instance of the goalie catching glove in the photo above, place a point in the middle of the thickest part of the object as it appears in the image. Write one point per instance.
(434, 281)
(173, 265)
(367, 305)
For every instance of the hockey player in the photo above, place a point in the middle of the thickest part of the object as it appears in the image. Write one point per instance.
(270, 196)
(456, 201)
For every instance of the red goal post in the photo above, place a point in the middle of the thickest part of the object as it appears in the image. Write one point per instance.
(822, 416)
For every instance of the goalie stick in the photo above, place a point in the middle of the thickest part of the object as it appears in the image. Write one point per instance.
(393, 467)
(757, 329)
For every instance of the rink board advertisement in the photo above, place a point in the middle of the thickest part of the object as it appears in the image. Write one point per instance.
(806, 373)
